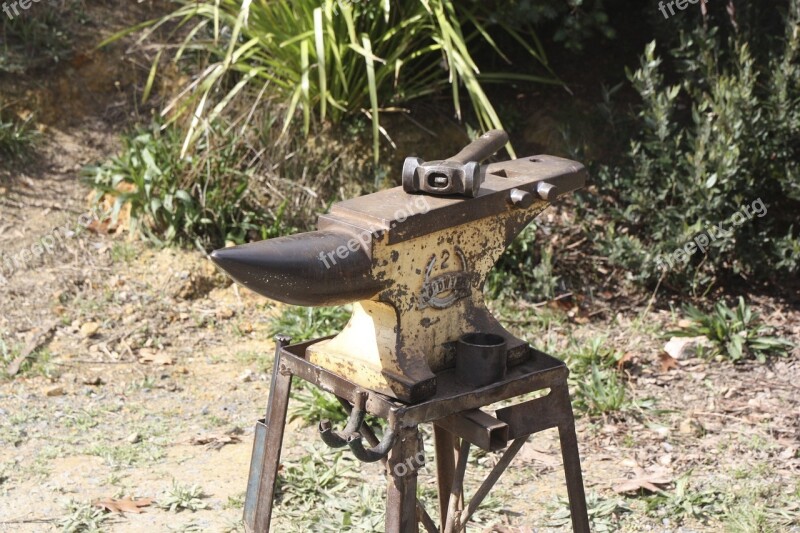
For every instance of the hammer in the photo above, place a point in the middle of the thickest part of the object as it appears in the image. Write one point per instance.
(460, 174)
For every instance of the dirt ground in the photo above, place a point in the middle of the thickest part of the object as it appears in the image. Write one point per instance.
(138, 358)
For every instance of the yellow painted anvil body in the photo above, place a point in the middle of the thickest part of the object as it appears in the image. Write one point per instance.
(413, 265)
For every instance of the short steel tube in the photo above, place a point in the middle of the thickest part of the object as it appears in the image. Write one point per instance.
(480, 358)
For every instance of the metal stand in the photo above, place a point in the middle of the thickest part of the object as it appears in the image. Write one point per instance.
(458, 424)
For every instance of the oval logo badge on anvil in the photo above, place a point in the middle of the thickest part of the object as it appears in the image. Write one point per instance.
(442, 291)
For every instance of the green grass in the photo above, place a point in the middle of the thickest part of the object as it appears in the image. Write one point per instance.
(83, 517)
(602, 392)
(736, 334)
(305, 323)
(17, 137)
(182, 497)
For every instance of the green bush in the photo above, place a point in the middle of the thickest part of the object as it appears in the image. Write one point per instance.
(723, 136)
(335, 58)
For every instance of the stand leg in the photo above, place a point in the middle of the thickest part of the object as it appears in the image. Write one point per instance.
(267, 449)
(401, 496)
(444, 443)
(572, 467)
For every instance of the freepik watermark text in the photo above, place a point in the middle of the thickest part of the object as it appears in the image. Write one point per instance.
(419, 205)
(702, 240)
(57, 239)
(12, 9)
(680, 4)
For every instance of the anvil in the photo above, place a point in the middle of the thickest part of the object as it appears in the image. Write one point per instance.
(412, 264)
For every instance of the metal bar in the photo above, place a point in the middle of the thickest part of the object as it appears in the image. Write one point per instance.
(490, 480)
(261, 486)
(535, 415)
(372, 439)
(541, 372)
(457, 491)
(444, 443)
(479, 428)
(401, 495)
(572, 468)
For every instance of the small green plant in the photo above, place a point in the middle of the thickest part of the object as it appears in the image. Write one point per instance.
(312, 405)
(323, 491)
(180, 497)
(595, 352)
(736, 334)
(36, 38)
(16, 136)
(605, 514)
(123, 252)
(83, 518)
(682, 502)
(201, 198)
(602, 392)
(305, 323)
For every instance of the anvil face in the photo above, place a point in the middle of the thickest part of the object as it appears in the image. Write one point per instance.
(414, 265)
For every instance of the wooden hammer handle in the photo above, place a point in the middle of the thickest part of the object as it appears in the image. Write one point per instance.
(484, 146)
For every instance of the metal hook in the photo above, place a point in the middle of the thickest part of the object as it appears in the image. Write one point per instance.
(376, 453)
(336, 439)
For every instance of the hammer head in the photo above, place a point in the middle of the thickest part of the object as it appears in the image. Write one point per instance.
(442, 177)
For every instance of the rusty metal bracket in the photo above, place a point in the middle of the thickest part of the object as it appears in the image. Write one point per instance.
(478, 428)
(376, 453)
(336, 439)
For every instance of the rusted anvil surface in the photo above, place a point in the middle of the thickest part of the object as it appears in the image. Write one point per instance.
(413, 265)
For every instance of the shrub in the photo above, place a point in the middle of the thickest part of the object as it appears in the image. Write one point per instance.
(201, 198)
(721, 137)
(335, 58)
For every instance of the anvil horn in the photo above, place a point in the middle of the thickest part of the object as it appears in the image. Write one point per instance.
(310, 269)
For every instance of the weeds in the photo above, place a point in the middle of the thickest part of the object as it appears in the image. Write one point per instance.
(180, 497)
(526, 269)
(17, 136)
(312, 405)
(319, 493)
(83, 518)
(202, 198)
(682, 502)
(306, 323)
(601, 392)
(36, 39)
(736, 334)
(604, 513)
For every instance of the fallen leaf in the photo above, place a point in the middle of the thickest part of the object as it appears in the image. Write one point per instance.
(38, 340)
(644, 480)
(216, 441)
(627, 360)
(146, 355)
(125, 505)
(666, 362)
(89, 329)
(58, 390)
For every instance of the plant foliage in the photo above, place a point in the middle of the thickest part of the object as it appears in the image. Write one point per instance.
(333, 58)
(737, 333)
(722, 136)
